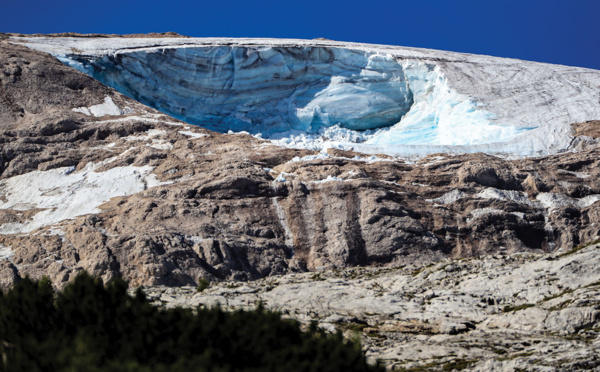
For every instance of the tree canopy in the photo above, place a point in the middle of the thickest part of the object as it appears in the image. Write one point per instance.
(93, 327)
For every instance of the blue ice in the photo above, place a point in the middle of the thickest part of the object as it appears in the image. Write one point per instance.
(276, 90)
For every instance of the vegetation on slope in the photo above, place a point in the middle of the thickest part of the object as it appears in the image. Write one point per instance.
(92, 327)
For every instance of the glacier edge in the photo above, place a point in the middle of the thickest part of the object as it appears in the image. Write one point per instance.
(460, 103)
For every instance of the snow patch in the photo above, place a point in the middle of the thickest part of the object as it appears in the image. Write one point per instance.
(160, 145)
(195, 238)
(280, 178)
(6, 253)
(476, 213)
(553, 201)
(64, 193)
(193, 134)
(152, 181)
(507, 195)
(329, 178)
(102, 109)
(448, 198)
(323, 155)
(150, 133)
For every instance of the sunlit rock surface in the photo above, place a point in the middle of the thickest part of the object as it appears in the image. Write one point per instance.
(534, 312)
(369, 98)
(445, 262)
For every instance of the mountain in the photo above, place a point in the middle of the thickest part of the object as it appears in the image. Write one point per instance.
(305, 155)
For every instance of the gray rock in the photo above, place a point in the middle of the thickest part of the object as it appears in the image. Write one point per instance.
(534, 306)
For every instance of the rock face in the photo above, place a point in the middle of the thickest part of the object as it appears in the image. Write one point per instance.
(90, 179)
(538, 312)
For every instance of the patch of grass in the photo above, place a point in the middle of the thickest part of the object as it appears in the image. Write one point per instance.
(376, 287)
(508, 308)
(417, 271)
(515, 356)
(498, 351)
(566, 291)
(317, 277)
(352, 326)
(202, 285)
(594, 284)
(578, 248)
(458, 364)
(560, 306)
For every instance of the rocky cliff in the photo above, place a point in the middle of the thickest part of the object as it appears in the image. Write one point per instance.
(520, 312)
(91, 179)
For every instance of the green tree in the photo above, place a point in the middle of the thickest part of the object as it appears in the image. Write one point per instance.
(95, 327)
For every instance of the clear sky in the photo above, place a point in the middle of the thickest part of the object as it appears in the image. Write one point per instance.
(553, 31)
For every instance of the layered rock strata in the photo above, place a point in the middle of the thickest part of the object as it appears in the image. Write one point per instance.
(519, 312)
(90, 179)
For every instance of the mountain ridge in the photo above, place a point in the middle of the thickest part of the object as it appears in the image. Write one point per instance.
(233, 206)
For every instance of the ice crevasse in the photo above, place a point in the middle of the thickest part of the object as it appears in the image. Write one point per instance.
(395, 101)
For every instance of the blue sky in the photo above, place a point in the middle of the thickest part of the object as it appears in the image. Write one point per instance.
(552, 31)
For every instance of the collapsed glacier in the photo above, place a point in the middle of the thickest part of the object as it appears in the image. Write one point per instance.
(316, 94)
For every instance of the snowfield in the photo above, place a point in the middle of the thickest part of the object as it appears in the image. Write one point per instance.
(369, 98)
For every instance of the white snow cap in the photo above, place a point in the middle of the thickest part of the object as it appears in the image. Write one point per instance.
(367, 98)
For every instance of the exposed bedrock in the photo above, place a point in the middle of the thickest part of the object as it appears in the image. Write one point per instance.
(90, 179)
(493, 313)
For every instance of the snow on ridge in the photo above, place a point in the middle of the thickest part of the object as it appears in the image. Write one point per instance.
(553, 201)
(449, 197)
(194, 135)
(483, 104)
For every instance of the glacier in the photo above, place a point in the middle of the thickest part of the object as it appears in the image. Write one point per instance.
(368, 98)
(264, 89)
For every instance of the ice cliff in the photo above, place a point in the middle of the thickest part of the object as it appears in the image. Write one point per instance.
(369, 98)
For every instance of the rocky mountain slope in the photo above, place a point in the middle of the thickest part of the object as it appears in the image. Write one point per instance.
(520, 312)
(91, 179)
(449, 260)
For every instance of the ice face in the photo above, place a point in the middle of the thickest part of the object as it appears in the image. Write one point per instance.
(265, 90)
(322, 93)
(282, 92)
(442, 117)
